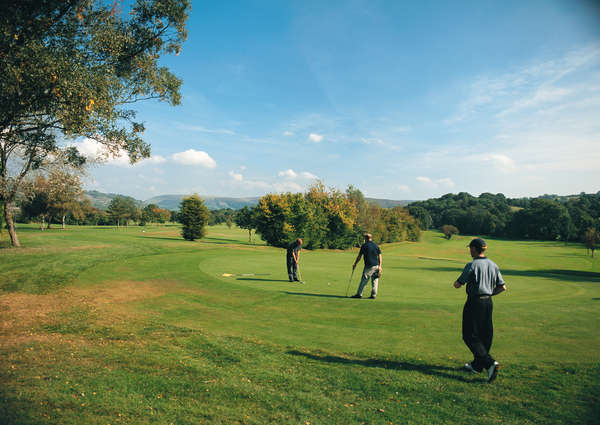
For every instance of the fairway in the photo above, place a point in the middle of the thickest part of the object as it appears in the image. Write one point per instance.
(137, 326)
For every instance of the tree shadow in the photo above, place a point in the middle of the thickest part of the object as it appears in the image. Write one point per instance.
(556, 274)
(426, 369)
(306, 294)
(163, 238)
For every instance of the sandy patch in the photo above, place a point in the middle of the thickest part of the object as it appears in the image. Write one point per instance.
(22, 315)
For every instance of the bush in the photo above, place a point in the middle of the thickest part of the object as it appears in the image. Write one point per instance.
(449, 230)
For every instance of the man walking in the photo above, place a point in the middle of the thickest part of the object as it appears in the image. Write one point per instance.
(373, 261)
(484, 280)
(292, 258)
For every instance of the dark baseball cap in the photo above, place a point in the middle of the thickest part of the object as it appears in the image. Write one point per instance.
(477, 243)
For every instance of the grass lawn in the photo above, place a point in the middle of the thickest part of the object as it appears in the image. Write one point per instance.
(138, 326)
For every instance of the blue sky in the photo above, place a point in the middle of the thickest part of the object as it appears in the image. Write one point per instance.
(404, 100)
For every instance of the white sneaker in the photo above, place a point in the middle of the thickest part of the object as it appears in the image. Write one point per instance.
(469, 367)
(493, 371)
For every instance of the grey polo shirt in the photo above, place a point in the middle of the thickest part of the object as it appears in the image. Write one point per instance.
(481, 276)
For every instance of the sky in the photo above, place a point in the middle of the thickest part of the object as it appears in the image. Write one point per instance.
(404, 100)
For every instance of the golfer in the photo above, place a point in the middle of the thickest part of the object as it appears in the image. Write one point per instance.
(484, 280)
(292, 258)
(373, 260)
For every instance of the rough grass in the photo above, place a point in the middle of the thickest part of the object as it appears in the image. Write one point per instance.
(106, 326)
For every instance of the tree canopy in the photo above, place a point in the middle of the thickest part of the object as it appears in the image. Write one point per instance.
(72, 68)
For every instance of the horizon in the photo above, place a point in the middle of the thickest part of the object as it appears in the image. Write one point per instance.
(145, 200)
(400, 100)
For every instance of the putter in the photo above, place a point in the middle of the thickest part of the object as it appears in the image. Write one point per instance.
(299, 275)
(349, 280)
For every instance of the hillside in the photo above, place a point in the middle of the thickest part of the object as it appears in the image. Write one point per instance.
(171, 202)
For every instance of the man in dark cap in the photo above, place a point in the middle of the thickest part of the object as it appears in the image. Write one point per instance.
(484, 280)
(292, 258)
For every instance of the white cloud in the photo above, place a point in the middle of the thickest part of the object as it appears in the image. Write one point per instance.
(307, 175)
(314, 137)
(201, 129)
(438, 183)
(290, 174)
(530, 86)
(236, 176)
(95, 151)
(500, 162)
(403, 188)
(155, 159)
(194, 157)
(288, 133)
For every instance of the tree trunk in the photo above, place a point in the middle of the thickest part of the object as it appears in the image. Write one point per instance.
(14, 240)
(63, 222)
(250, 235)
(42, 223)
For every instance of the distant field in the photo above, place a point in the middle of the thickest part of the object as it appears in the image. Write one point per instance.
(138, 326)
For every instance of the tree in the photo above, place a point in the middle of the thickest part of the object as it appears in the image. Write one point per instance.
(194, 217)
(449, 230)
(244, 219)
(421, 215)
(591, 239)
(64, 193)
(36, 204)
(71, 68)
(121, 208)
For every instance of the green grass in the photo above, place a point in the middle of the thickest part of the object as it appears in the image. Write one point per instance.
(138, 326)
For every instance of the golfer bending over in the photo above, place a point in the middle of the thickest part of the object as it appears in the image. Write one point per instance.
(372, 270)
(483, 279)
(292, 258)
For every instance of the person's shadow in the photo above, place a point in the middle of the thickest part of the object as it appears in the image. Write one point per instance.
(427, 369)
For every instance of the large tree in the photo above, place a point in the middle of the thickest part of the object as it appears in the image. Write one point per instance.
(72, 68)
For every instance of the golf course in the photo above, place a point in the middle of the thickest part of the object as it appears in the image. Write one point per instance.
(107, 325)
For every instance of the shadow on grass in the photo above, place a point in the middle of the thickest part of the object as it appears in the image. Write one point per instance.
(427, 369)
(557, 274)
(261, 280)
(221, 241)
(306, 294)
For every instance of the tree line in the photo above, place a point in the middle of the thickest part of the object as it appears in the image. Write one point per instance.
(572, 218)
(325, 218)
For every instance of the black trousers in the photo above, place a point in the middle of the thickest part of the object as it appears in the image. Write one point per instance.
(292, 268)
(478, 330)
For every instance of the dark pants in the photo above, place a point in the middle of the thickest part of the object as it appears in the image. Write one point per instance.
(478, 330)
(292, 268)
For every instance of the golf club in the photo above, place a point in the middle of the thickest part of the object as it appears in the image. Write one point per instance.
(349, 280)
(299, 275)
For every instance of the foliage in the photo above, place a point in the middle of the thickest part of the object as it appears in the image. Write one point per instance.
(329, 219)
(153, 214)
(71, 68)
(449, 230)
(194, 217)
(547, 217)
(122, 209)
(244, 219)
(219, 216)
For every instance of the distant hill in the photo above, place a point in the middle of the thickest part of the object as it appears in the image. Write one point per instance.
(171, 202)
(101, 200)
(388, 203)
